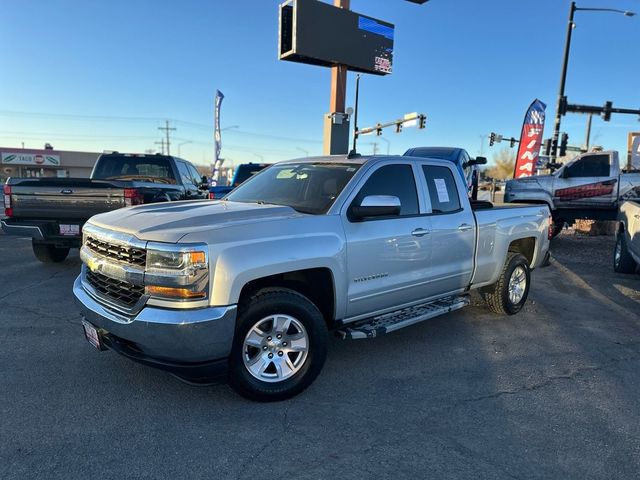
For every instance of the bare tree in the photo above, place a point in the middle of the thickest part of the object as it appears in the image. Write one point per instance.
(502, 166)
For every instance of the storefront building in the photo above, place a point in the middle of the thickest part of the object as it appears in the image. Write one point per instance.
(32, 163)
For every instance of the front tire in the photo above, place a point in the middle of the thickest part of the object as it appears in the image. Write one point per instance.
(280, 345)
(47, 253)
(509, 294)
(623, 262)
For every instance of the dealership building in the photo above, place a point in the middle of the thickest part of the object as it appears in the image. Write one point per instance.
(33, 163)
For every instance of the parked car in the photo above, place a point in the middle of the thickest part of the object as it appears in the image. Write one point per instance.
(52, 211)
(243, 172)
(626, 256)
(467, 166)
(590, 187)
(250, 285)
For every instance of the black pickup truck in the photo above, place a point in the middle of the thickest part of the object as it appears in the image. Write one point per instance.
(52, 211)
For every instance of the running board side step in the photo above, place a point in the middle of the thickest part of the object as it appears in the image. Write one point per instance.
(373, 327)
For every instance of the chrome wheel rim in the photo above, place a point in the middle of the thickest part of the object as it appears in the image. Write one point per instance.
(517, 285)
(275, 348)
(618, 253)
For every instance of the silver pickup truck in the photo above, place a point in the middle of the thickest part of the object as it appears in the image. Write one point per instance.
(251, 285)
(626, 256)
(590, 187)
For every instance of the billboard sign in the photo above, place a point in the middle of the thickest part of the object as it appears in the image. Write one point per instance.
(318, 33)
(37, 159)
(530, 140)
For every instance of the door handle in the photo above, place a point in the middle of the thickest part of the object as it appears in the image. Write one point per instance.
(420, 232)
(464, 227)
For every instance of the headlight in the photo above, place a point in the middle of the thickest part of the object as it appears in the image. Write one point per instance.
(177, 272)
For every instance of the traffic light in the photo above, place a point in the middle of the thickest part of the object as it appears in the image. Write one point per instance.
(378, 130)
(398, 127)
(606, 111)
(492, 139)
(554, 146)
(564, 140)
(547, 147)
(422, 121)
(512, 142)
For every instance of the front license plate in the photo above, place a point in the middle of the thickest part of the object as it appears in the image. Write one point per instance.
(69, 229)
(92, 335)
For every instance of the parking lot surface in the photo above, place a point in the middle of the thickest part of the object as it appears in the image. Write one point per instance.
(552, 392)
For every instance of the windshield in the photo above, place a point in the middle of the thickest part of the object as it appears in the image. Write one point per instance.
(143, 169)
(305, 187)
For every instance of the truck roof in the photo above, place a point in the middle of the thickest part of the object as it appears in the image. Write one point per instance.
(359, 160)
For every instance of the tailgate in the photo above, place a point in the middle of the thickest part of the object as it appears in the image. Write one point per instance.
(77, 199)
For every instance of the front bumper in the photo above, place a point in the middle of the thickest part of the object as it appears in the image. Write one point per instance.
(175, 340)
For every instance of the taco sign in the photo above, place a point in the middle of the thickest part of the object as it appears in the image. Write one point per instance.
(37, 159)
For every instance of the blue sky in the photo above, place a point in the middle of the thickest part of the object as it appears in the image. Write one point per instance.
(87, 75)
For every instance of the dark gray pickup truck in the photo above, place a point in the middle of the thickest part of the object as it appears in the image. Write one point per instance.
(52, 211)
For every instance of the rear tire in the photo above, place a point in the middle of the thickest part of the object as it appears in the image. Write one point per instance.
(47, 253)
(280, 345)
(509, 294)
(623, 262)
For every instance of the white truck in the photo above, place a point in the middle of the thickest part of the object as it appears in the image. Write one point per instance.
(626, 255)
(251, 285)
(591, 187)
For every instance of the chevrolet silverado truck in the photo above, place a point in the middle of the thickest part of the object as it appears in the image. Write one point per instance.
(251, 285)
(590, 187)
(52, 211)
(626, 255)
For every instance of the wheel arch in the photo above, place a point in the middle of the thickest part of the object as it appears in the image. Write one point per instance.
(316, 284)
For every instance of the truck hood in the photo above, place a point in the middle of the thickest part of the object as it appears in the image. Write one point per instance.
(169, 222)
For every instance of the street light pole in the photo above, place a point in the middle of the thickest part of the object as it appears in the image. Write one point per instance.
(565, 61)
(563, 81)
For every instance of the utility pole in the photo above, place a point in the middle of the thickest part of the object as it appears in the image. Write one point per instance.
(161, 143)
(167, 129)
(375, 148)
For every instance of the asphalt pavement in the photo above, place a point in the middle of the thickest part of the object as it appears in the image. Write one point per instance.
(553, 392)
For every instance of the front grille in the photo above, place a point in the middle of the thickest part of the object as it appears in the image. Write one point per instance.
(120, 292)
(121, 253)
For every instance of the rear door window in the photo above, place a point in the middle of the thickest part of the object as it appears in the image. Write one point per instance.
(443, 191)
(185, 175)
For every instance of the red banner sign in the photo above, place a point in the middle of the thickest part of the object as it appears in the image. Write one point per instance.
(530, 140)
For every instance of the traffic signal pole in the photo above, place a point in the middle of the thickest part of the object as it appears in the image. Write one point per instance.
(563, 81)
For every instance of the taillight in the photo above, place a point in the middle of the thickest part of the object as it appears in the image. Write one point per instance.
(212, 196)
(132, 197)
(8, 211)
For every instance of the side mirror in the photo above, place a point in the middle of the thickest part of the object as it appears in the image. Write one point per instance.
(377, 206)
(476, 161)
